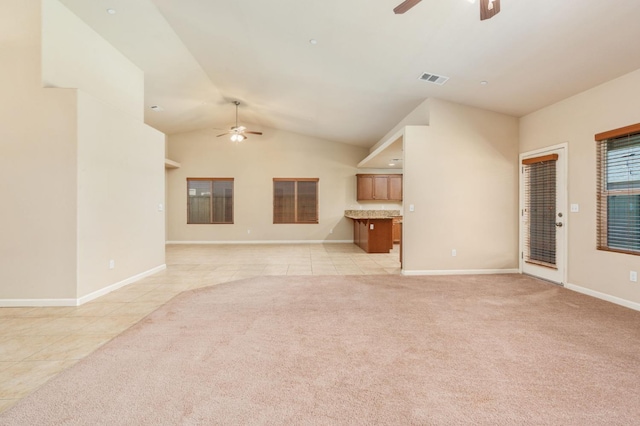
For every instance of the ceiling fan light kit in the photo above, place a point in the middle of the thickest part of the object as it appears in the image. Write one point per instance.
(238, 133)
(488, 8)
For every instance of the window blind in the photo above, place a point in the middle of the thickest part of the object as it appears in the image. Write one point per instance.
(295, 200)
(284, 202)
(210, 200)
(307, 201)
(540, 210)
(618, 192)
(199, 207)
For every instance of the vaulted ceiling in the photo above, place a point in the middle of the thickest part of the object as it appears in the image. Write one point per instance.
(361, 76)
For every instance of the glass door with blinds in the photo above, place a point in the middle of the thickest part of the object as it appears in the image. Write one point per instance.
(543, 215)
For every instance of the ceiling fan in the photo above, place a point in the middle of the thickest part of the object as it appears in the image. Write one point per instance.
(238, 133)
(488, 8)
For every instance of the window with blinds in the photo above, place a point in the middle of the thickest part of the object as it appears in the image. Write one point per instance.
(618, 191)
(540, 210)
(295, 200)
(210, 200)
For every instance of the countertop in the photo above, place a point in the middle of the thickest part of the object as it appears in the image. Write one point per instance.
(371, 214)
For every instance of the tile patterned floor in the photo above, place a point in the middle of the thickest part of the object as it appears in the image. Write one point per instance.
(38, 343)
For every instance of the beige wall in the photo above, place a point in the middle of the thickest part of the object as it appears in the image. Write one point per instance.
(120, 188)
(37, 177)
(253, 164)
(57, 145)
(575, 121)
(461, 175)
(74, 55)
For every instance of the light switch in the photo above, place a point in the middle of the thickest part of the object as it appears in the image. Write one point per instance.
(160, 207)
(575, 208)
(411, 207)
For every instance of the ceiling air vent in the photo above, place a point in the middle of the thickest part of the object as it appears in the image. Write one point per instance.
(433, 78)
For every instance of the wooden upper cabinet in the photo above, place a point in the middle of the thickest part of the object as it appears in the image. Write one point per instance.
(365, 187)
(395, 187)
(379, 187)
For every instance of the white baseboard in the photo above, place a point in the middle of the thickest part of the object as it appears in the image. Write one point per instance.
(91, 296)
(460, 272)
(603, 296)
(7, 303)
(23, 303)
(265, 242)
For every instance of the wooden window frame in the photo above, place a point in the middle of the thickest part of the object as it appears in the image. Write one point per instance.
(211, 207)
(603, 192)
(550, 157)
(296, 221)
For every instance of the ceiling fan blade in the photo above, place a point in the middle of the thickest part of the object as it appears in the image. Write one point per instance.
(486, 12)
(253, 133)
(404, 6)
(227, 133)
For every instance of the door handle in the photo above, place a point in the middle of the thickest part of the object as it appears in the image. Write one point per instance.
(559, 224)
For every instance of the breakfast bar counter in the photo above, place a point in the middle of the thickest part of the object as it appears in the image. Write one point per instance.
(372, 229)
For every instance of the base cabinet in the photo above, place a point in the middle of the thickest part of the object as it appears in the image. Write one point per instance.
(373, 235)
(397, 229)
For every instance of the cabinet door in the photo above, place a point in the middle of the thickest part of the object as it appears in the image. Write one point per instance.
(356, 232)
(396, 230)
(380, 188)
(365, 188)
(379, 238)
(364, 235)
(395, 188)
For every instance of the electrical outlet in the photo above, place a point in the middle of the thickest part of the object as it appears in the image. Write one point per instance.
(160, 207)
(112, 264)
(331, 231)
(633, 276)
(454, 252)
(248, 231)
(411, 208)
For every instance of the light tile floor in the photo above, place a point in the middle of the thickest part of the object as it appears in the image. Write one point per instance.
(38, 343)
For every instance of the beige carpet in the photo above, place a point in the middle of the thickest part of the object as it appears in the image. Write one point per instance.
(359, 350)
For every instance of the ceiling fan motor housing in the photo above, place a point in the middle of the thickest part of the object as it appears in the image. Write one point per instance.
(238, 133)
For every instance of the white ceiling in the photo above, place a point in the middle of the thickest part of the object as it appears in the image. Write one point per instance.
(361, 77)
